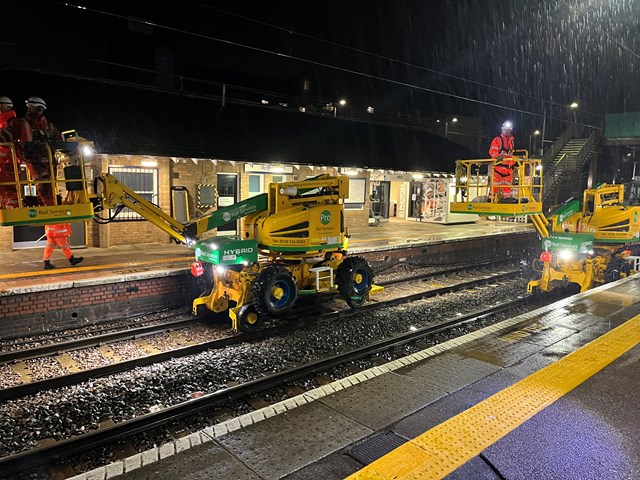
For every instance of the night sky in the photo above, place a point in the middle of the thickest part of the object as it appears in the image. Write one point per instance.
(489, 59)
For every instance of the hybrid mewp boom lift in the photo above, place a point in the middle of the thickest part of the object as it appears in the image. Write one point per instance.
(586, 243)
(294, 240)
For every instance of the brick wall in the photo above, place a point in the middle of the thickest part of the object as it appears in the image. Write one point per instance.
(51, 310)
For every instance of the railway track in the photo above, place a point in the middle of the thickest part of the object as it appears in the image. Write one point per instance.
(51, 344)
(398, 291)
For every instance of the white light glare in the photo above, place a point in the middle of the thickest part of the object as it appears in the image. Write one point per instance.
(565, 254)
(87, 150)
(213, 246)
(539, 168)
(220, 269)
(412, 328)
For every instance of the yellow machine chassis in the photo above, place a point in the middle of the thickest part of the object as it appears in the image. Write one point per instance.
(233, 286)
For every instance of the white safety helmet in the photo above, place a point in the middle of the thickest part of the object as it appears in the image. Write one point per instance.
(507, 127)
(6, 101)
(36, 102)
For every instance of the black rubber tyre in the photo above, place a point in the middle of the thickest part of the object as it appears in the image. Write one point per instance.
(249, 319)
(274, 291)
(354, 279)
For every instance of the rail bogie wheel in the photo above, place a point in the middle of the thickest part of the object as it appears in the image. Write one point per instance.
(354, 279)
(274, 291)
(355, 302)
(248, 318)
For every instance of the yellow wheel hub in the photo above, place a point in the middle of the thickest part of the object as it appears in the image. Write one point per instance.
(252, 318)
(277, 293)
(358, 278)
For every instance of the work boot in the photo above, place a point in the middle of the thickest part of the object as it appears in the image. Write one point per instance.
(48, 265)
(75, 260)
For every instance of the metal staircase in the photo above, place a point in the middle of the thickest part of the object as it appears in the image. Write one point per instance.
(563, 165)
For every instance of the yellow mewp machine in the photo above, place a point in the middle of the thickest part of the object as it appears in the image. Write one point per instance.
(585, 242)
(294, 242)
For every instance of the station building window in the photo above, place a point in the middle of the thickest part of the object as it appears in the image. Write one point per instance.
(256, 183)
(143, 181)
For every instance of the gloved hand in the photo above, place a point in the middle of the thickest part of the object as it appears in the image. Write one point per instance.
(499, 158)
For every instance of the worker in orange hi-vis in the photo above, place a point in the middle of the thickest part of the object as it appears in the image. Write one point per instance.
(501, 150)
(58, 235)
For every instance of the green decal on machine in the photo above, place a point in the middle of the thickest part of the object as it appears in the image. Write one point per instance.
(325, 217)
(579, 243)
(32, 212)
(230, 250)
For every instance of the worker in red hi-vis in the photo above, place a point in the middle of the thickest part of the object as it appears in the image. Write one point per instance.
(501, 150)
(8, 193)
(58, 235)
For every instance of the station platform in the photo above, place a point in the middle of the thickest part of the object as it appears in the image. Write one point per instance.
(25, 267)
(551, 394)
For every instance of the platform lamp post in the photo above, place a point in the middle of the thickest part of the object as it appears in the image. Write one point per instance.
(574, 107)
(342, 102)
(446, 125)
(533, 135)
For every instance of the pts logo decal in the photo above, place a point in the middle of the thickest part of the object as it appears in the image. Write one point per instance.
(325, 217)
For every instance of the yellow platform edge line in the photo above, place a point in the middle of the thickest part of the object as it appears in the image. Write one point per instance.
(449, 445)
(89, 268)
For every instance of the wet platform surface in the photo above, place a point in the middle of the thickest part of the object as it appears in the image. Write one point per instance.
(551, 394)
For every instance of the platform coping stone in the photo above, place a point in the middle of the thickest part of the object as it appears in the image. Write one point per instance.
(167, 449)
(132, 462)
(300, 400)
(245, 420)
(257, 416)
(209, 431)
(97, 474)
(182, 444)
(149, 456)
(280, 408)
(233, 424)
(204, 438)
(114, 469)
(194, 439)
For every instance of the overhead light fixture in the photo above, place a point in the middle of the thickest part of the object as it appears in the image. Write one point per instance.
(149, 163)
(417, 176)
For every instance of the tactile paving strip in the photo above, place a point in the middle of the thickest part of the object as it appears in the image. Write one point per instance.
(444, 448)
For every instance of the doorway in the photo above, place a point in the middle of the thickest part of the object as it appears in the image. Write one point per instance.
(379, 199)
(227, 196)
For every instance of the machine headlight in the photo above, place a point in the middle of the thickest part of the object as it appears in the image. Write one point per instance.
(220, 269)
(565, 254)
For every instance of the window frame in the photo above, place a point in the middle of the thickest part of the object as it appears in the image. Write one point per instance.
(126, 214)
